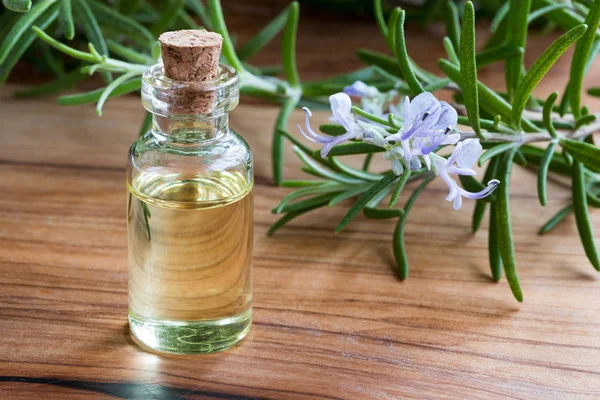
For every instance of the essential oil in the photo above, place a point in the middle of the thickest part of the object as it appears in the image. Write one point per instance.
(189, 214)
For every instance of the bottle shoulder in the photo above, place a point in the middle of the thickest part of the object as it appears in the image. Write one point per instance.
(230, 146)
(226, 160)
(222, 145)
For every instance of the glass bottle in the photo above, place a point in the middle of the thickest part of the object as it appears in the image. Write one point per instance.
(190, 180)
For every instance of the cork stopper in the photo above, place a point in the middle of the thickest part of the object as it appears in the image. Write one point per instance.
(192, 56)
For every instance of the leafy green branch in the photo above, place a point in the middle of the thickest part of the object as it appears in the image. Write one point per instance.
(506, 123)
(118, 41)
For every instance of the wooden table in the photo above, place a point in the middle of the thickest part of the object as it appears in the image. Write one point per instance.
(331, 320)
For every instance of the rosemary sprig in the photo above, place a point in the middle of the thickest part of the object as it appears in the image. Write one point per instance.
(120, 36)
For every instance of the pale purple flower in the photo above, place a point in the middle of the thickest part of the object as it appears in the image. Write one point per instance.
(426, 117)
(361, 89)
(341, 108)
(428, 124)
(461, 163)
(371, 99)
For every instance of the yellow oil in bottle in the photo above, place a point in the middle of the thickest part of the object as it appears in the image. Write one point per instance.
(190, 271)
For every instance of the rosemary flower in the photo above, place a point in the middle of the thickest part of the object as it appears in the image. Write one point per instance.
(461, 162)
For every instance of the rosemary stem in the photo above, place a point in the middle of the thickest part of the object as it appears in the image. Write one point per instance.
(586, 130)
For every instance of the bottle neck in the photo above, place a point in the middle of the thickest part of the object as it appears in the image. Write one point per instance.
(190, 112)
(190, 129)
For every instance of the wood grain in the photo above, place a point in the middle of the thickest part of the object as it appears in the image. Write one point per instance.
(331, 320)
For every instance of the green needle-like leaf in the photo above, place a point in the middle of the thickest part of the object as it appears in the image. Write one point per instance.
(21, 6)
(301, 205)
(450, 51)
(298, 183)
(378, 11)
(485, 123)
(315, 155)
(547, 114)
(494, 151)
(218, 25)
(379, 197)
(504, 229)
(347, 149)
(168, 14)
(592, 199)
(353, 192)
(107, 16)
(534, 155)
(494, 54)
(581, 55)
(24, 43)
(128, 54)
(438, 85)
(315, 167)
(94, 95)
(289, 45)
(382, 213)
(556, 219)
(566, 18)
(367, 161)
(7, 21)
(332, 129)
(585, 120)
(516, 36)
(594, 91)
(453, 24)
(370, 116)
(21, 27)
(307, 206)
(353, 172)
(563, 107)
(262, 38)
(584, 225)
(364, 199)
(489, 100)
(495, 258)
(584, 152)
(403, 60)
(199, 9)
(66, 19)
(540, 68)
(329, 187)
(111, 87)
(184, 20)
(80, 55)
(398, 240)
(277, 145)
(543, 173)
(540, 12)
(520, 159)
(392, 24)
(499, 17)
(399, 187)
(385, 62)
(90, 26)
(468, 68)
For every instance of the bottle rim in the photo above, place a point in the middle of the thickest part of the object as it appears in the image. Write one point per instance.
(167, 97)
